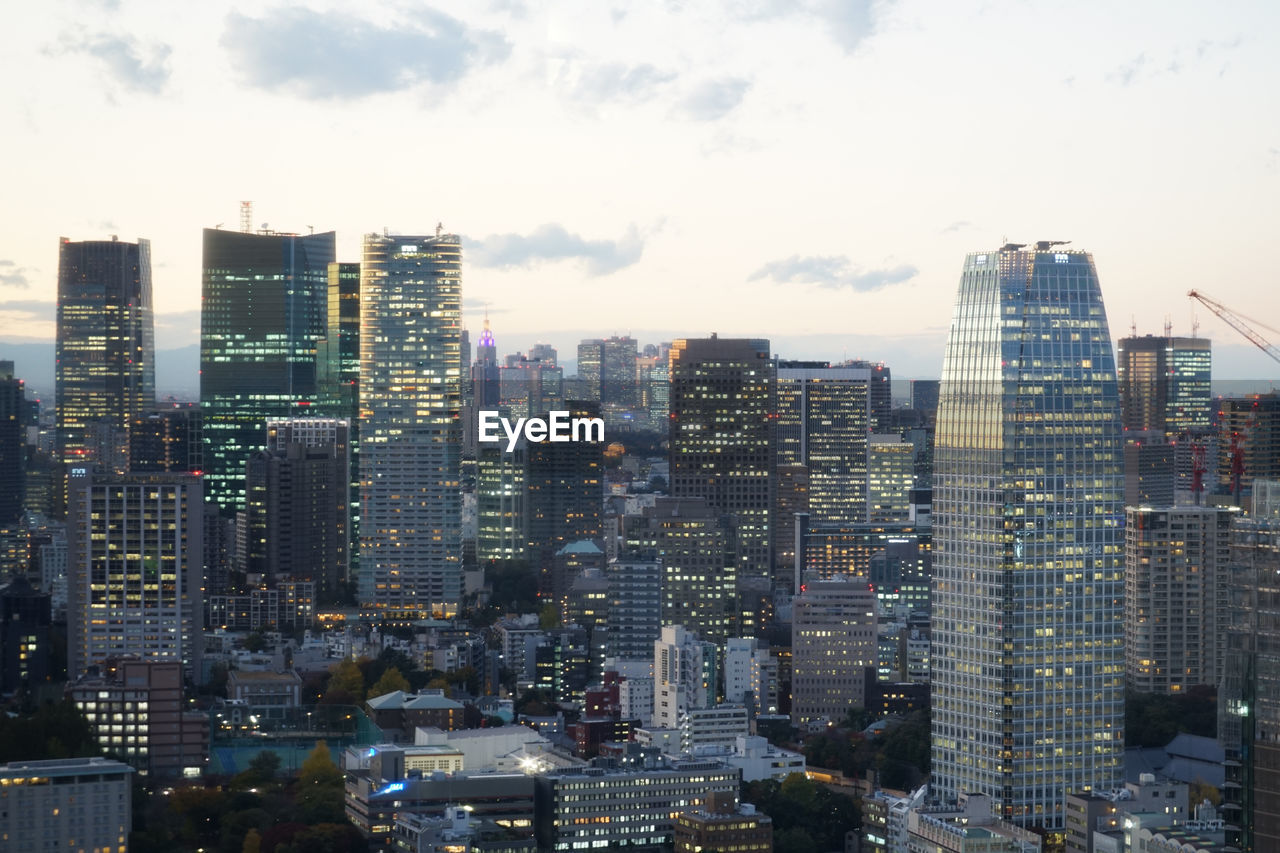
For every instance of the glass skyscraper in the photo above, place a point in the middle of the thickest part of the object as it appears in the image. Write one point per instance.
(1164, 383)
(265, 308)
(1028, 588)
(105, 369)
(410, 427)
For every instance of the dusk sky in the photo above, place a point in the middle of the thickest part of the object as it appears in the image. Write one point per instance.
(810, 172)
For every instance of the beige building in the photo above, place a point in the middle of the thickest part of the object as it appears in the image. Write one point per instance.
(833, 643)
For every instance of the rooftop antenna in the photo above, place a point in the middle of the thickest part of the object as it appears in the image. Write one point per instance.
(1168, 326)
(246, 216)
(311, 229)
(1133, 326)
(1195, 324)
(440, 229)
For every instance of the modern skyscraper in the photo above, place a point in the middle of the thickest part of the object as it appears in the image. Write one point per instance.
(1164, 383)
(342, 366)
(263, 324)
(135, 545)
(635, 602)
(485, 378)
(13, 445)
(1175, 596)
(890, 476)
(167, 440)
(105, 369)
(833, 645)
(723, 405)
(410, 428)
(823, 420)
(502, 513)
(608, 366)
(1028, 584)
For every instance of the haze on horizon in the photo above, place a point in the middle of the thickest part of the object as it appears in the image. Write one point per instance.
(811, 172)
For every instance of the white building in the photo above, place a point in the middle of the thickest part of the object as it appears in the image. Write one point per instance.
(751, 675)
(684, 675)
(410, 424)
(65, 804)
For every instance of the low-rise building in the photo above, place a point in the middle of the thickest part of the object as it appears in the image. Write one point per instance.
(723, 824)
(398, 713)
(137, 712)
(267, 694)
(65, 804)
(607, 806)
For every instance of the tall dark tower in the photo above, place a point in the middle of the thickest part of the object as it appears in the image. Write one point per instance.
(105, 370)
(265, 308)
(723, 406)
(1028, 577)
(485, 374)
(13, 445)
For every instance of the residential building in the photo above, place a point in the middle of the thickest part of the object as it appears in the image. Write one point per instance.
(1176, 595)
(751, 675)
(685, 674)
(135, 545)
(410, 429)
(25, 641)
(1028, 575)
(635, 601)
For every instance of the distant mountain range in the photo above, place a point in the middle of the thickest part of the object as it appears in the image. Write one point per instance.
(178, 373)
(177, 370)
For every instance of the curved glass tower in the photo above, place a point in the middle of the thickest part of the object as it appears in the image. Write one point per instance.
(1028, 608)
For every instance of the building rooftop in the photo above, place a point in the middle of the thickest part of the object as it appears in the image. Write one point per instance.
(63, 767)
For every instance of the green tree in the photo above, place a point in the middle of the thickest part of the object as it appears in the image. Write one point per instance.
(346, 684)
(252, 842)
(255, 642)
(320, 788)
(390, 682)
(549, 617)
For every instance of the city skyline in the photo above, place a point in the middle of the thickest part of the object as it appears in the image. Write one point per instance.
(597, 153)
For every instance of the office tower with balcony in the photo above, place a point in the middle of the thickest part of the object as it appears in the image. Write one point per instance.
(105, 369)
(1164, 383)
(1175, 596)
(723, 406)
(410, 427)
(263, 323)
(1028, 580)
(833, 646)
(135, 545)
(823, 419)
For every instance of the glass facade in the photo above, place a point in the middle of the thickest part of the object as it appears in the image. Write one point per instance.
(1028, 589)
(410, 427)
(105, 369)
(1164, 383)
(264, 312)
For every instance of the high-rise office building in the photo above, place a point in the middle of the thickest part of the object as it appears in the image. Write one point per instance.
(693, 543)
(263, 326)
(608, 367)
(823, 420)
(1164, 383)
(564, 494)
(635, 606)
(1028, 581)
(167, 440)
(880, 392)
(833, 645)
(924, 396)
(105, 368)
(13, 445)
(502, 515)
(485, 378)
(1175, 596)
(723, 402)
(135, 545)
(410, 428)
(890, 476)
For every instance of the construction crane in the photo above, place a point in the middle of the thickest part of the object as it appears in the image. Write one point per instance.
(1238, 323)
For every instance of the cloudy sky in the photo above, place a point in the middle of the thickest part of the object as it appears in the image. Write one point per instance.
(811, 171)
